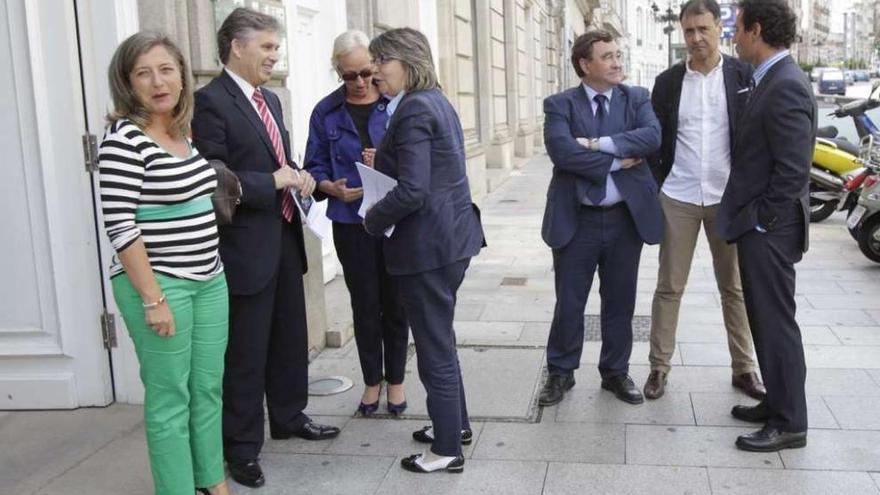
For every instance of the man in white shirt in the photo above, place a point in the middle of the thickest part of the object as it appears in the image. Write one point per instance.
(697, 103)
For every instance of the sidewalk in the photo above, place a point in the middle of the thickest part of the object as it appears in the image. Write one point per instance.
(591, 442)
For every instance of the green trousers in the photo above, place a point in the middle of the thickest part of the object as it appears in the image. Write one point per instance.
(183, 379)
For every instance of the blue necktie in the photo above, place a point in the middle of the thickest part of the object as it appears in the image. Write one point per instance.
(597, 194)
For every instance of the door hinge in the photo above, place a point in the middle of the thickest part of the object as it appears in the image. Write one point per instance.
(90, 152)
(108, 329)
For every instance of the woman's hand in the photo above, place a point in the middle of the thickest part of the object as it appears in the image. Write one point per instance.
(160, 319)
(369, 156)
(338, 190)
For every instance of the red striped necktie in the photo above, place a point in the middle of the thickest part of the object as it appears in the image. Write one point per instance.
(275, 137)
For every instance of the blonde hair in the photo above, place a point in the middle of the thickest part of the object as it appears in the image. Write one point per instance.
(345, 43)
(126, 104)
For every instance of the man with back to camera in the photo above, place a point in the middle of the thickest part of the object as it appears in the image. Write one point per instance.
(697, 103)
(601, 208)
(765, 211)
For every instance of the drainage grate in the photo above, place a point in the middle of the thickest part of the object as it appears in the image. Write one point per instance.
(516, 281)
(641, 328)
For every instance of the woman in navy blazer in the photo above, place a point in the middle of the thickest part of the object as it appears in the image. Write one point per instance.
(436, 231)
(344, 128)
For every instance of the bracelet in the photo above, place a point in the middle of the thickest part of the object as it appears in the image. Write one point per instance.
(155, 304)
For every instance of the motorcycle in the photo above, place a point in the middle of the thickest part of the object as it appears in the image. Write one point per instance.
(864, 221)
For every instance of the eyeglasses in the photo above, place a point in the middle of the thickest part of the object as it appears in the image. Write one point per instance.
(382, 60)
(351, 76)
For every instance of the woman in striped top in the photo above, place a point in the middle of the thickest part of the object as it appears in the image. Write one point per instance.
(167, 276)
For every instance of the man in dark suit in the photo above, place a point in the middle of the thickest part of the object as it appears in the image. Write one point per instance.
(765, 211)
(238, 121)
(601, 208)
(697, 102)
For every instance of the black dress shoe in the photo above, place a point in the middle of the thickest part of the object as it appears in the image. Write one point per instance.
(247, 473)
(554, 390)
(410, 463)
(623, 388)
(759, 413)
(312, 431)
(771, 439)
(750, 384)
(426, 435)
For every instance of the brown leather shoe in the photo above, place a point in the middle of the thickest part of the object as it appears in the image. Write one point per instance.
(655, 386)
(750, 384)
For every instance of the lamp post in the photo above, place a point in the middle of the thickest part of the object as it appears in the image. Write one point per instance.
(669, 17)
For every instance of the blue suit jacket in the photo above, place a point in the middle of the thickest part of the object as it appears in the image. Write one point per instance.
(576, 169)
(333, 147)
(436, 222)
(225, 126)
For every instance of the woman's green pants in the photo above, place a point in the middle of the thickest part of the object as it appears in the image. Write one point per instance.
(183, 380)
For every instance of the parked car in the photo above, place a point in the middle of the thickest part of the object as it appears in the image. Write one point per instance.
(861, 76)
(848, 77)
(832, 82)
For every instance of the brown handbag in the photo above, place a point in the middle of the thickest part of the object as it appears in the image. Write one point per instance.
(227, 196)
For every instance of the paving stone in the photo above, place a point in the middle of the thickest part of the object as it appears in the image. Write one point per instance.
(858, 335)
(480, 477)
(535, 332)
(692, 446)
(576, 479)
(860, 287)
(585, 405)
(468, 312)
(830, 381)
(344, 404)
(875, 315)
(482, 331)
(296, 445)
(714, 410)
(326, 474)
(838, 450)
(876, 478)
(855, 413)
(694, 354)
(517, 312)
(843, 301)
(560, 442)
(639, 354)
(830, 356)
(385, 437)
(833, 317)
(751, 481)
(498, 383)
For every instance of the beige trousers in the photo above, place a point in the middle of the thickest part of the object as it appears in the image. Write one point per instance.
(682, 226)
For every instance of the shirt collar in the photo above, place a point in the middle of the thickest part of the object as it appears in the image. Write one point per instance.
(765, 66)
(688, 69)
(392, 105)
(245, 86)
(591, 93)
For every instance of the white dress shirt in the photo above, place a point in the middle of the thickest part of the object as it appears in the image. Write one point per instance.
(247, 88)
(702, 151)
(607, 146)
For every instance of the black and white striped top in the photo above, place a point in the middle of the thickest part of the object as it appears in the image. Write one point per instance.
(148, 193)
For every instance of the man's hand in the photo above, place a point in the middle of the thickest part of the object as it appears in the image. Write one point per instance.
(286, 177)
(585, 142)
(338, 190)
(369, 156)
(626, 163)
(306, 184)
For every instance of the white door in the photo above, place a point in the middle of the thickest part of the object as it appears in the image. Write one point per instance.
(51, 347)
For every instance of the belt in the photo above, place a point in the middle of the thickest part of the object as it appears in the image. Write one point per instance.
(603, 207)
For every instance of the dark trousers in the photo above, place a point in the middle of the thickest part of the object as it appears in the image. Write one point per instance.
(429, 300)
(766, 264)
(607, 240)
(379, 319)
(267, 355)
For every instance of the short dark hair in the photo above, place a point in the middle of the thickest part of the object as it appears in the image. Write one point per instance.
(583, 47)
(240, 25)
(778, 22)
(698, 7)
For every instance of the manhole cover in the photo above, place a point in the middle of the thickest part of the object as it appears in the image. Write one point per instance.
(330, 385)
(593, 328)
(514, 281)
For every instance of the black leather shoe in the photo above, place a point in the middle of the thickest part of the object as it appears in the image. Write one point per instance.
(750, 384)
(309, 431)
(554, 390)
(247, 473)
(771, 439)
(623, 388)
(410, 464)
(426, 435)
(753, 414)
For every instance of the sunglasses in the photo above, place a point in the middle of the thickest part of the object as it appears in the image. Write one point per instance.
(351, 76)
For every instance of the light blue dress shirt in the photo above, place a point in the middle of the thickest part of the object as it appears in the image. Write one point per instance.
(607, 146)
(765, 66)
(392, 106)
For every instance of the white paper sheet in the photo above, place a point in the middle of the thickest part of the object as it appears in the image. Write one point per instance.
(376, 185)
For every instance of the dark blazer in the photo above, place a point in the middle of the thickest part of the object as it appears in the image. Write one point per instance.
(576, 169)
(225, 126)
(436, 222)
(334, 145)
(666, 97)
(773, 151)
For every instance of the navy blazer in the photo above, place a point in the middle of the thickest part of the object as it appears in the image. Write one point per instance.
(225, 126)
(772, 154)
(666, 98)
(334, 145)
(576, 169)
(436, 222)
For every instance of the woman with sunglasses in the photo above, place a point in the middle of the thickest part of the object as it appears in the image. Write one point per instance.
(345, 127)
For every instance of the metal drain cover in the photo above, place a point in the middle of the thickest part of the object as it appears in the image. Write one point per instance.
(329, 385)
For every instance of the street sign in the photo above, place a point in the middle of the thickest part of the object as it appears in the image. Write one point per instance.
(728, 20)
